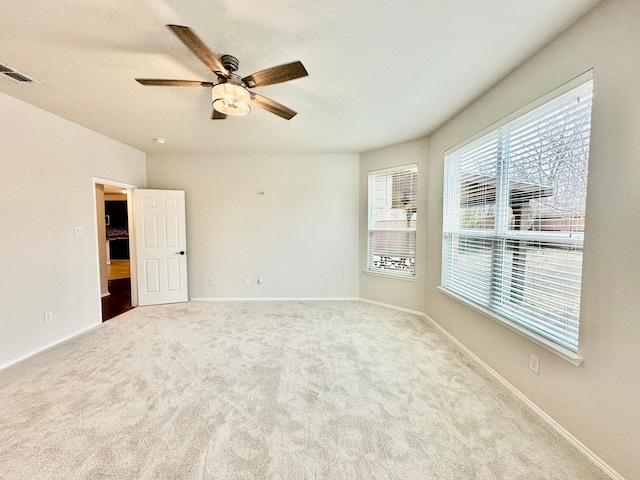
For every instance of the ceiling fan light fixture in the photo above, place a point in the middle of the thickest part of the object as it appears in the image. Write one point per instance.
(237, 109)
(230, 92)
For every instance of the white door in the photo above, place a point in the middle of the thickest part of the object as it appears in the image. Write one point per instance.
(161, 246)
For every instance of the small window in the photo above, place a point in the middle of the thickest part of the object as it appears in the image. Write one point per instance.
(393, 205)
(514, 211)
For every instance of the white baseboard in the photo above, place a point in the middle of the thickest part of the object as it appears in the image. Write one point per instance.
(395, 307)
(605, 467)
(275, 299)
(48, 346)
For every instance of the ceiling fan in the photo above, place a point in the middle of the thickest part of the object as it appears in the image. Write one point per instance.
(230, 95)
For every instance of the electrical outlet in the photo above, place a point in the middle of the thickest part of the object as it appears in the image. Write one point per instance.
(48, 316)
(79, 231)
(534, 363)
(212, 282)
(338, 280)
(247, 281)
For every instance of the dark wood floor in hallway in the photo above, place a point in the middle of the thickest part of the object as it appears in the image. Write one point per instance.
(120, 299)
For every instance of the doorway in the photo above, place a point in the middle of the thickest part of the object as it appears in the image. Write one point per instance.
(114, 252)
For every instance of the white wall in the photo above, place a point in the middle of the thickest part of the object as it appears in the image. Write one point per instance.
(598, 402)
(401, 292)
(298, 237)
(46, 189)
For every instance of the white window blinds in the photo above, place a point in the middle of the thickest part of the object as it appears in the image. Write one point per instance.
(393, 204)
(514, 210)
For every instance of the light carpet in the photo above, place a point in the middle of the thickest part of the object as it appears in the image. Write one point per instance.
(269, 390)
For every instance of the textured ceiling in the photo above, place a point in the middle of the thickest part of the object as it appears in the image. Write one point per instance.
(379, 72)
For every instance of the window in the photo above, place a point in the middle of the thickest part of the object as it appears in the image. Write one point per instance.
(513, 226)
(393, 204)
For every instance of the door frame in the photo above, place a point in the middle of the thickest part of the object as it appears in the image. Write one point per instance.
(132, 240)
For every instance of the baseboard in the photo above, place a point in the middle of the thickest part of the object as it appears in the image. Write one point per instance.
(582, 448)
(395, 307)
(48, 346)
(275, 299)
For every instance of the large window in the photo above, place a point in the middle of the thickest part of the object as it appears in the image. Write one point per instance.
(514, 210)
(392, 221)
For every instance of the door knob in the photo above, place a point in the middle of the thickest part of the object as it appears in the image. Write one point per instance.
(181, 252)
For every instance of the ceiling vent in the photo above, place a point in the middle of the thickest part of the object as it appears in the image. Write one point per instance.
(15, 75)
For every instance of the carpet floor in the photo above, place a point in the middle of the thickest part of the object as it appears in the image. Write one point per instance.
(269, 390)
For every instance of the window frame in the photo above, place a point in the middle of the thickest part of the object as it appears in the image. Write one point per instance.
(371, 176)
(492, 235)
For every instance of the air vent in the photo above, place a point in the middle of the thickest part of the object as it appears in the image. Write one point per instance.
(15, 75)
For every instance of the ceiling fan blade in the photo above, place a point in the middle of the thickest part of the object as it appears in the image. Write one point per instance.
(199, 49)
(282, 73)
(216, 115)
(172, 83)
(273, 106)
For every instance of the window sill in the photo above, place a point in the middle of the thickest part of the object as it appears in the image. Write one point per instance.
(389, 275)
(564, 353)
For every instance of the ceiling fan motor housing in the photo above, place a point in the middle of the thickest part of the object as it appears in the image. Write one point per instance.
(230, 62)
